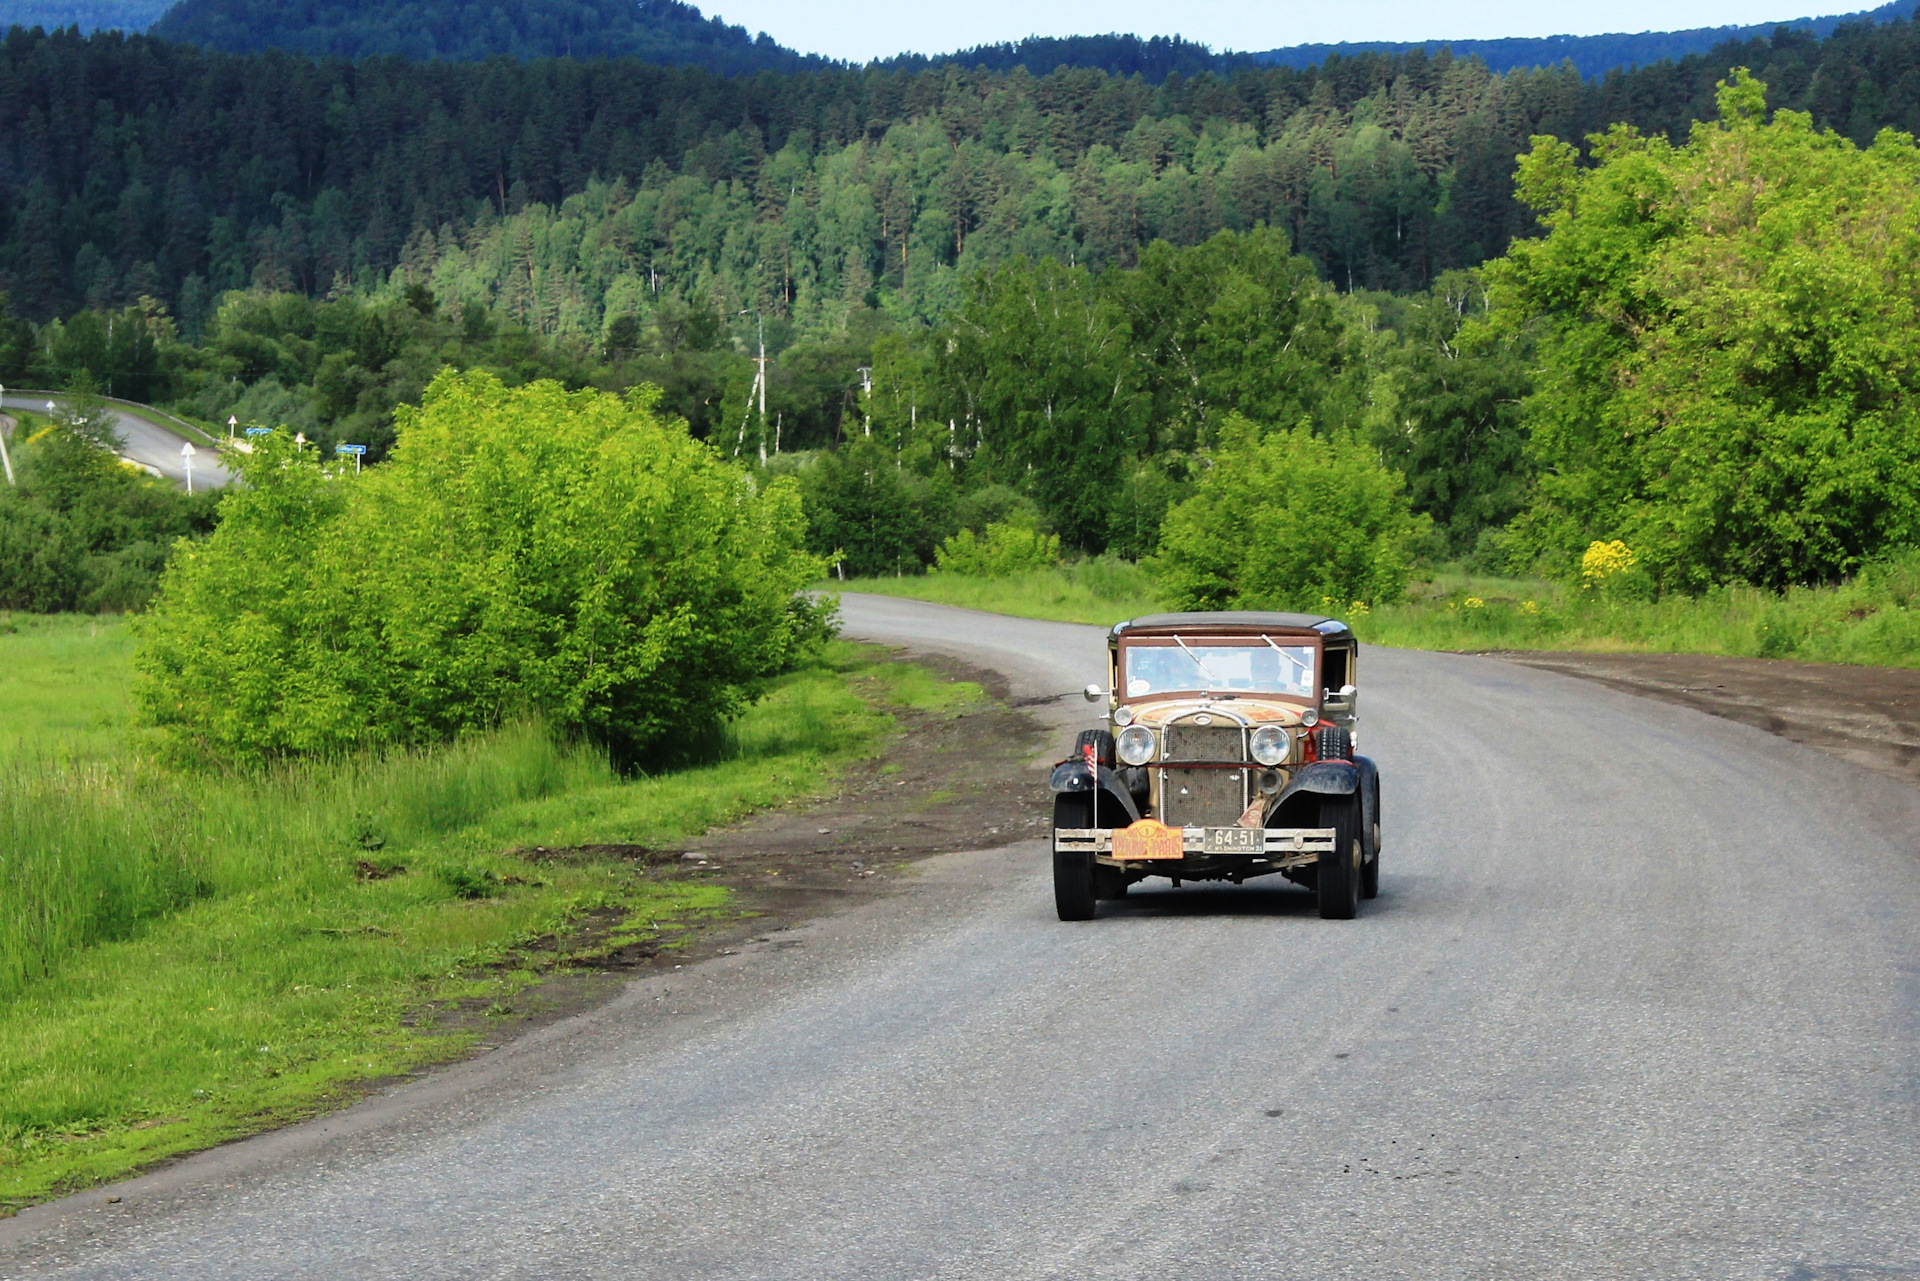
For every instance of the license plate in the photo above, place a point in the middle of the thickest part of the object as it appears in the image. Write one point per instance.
(1235, 840)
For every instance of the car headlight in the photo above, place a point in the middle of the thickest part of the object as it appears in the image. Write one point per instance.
(1135, 745)
(1309, 718)
(1270, 745)
(1123, 716)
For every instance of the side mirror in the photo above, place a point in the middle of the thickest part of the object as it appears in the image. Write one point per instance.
(1347, 692)
(1093, 693)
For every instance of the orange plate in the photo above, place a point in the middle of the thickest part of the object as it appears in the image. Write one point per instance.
(1148, 839)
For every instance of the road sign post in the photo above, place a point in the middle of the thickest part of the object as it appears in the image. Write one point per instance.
(187, 452)
(355, 450)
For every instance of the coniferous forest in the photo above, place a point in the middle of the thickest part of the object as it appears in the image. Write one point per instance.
(1042, 301)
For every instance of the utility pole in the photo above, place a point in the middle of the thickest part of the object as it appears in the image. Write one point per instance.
(761, 378)
(3, 440)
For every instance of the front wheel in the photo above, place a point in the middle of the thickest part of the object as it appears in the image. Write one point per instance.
(1341, 868)
(1370, 868)
(1073, 896)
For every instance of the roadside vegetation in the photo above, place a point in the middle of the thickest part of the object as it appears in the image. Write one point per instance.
(191, 955)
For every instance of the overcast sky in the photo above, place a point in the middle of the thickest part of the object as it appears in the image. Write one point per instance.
(863, 29)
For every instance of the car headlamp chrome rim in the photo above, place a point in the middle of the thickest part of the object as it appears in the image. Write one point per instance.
(1270, 745)
(1123, 716)
(1135, 745)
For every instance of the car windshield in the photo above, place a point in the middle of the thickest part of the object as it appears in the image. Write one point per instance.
(1262, 667)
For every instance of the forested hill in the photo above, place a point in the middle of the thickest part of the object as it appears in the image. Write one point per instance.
(572, 192)
(660, 31)
(1592, 56)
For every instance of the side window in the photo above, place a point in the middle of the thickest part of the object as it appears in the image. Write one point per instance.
(1338, 668)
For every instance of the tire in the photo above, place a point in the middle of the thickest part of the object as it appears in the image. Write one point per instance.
(1100, 740)
(1338, 874)
(1370, 846)
(1332, 743)
(1072, 872)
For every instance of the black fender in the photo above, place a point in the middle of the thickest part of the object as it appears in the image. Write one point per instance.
(1073, 776)
(1369, 805)
(1322, 778)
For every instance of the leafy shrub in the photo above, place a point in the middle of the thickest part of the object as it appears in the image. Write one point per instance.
(1286, 522)
(568, 554)
(1003, 550)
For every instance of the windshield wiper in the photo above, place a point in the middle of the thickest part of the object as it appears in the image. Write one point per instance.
(1196, 660)
(1300, 666)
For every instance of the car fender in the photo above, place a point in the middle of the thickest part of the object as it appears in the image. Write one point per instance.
(1322, 778)
(1073, 776)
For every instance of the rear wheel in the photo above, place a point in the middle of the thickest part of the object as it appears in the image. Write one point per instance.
(1340, 870)
(1072, 869)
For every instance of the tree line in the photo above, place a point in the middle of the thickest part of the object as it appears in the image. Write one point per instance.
(133, 167)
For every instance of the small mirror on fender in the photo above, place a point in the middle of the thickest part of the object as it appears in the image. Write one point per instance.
(1347, 692)
(1093, 693)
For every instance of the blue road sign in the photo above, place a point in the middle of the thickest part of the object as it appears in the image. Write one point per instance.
(259, 431)
(349, 449)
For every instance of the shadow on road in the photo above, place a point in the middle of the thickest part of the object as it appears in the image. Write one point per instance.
(1214, 900)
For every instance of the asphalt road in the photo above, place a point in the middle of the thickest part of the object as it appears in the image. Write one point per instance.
(1640, 998)
(149, 439)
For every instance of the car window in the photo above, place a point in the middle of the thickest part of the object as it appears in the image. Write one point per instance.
(1259, 668)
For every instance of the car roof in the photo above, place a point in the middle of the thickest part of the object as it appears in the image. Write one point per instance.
(1250, 620)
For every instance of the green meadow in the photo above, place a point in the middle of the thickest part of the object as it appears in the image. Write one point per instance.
(190, 956)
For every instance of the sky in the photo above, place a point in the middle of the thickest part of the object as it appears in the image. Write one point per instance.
(863, 29)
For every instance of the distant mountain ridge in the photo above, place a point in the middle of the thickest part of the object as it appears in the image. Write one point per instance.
(659, 31)
(1592, 56)
(673, 33)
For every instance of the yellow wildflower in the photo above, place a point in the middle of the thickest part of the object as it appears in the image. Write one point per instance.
(1604, 560)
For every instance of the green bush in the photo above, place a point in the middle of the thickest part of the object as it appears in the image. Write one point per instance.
(1003, 550)
(1291, 521)
(566, 554)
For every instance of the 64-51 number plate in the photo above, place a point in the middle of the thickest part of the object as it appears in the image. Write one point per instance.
(1235, 840)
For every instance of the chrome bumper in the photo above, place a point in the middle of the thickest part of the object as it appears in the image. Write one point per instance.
(1281, 846)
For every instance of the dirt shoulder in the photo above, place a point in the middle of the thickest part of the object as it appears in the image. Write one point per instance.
(964, 780)
(1867, 715)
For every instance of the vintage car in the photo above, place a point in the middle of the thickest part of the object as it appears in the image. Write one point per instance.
(1231, 755)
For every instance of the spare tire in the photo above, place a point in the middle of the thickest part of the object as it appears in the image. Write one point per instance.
(1332, 743)
(1101, 742)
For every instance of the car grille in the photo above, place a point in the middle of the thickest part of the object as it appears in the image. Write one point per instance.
(1205, 743)
(1202, 797)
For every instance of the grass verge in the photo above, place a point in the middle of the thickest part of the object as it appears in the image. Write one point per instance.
(185, 960)
(1872, 620)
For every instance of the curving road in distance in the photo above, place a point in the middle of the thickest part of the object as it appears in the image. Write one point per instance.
(1640, 998)
(152, 438)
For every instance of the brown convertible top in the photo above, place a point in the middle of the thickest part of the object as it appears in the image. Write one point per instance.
(1236, 620)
